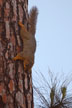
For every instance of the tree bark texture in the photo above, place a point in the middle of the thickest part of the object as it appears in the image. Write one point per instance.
(15, 84)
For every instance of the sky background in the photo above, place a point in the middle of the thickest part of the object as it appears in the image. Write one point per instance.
(53, 36)
(54, 41)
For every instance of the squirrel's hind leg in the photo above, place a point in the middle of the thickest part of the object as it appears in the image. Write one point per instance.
(22, 26)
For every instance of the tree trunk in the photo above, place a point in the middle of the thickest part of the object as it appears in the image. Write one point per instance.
(15, 84)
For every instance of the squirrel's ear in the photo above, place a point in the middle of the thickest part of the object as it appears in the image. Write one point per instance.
(32, 20)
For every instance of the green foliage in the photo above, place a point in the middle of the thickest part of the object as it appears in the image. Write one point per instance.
(63, 90)
(55, 94)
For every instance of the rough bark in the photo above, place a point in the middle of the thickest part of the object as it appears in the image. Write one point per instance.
(15, 84)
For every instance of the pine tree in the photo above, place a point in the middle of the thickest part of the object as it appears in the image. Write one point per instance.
(54, 92)
(15, 84)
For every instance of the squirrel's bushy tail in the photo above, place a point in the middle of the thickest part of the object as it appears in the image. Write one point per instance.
(33, 19)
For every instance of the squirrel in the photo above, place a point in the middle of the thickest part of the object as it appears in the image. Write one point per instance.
(29, 41)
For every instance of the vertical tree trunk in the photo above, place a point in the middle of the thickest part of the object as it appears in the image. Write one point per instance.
(15, 84)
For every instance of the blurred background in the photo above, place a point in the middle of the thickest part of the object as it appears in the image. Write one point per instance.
(54, 36)
(54, 44)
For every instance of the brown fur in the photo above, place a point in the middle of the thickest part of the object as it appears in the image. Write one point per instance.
(29, 41)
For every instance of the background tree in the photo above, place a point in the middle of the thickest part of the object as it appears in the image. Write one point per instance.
(53, 92)
(15, 84)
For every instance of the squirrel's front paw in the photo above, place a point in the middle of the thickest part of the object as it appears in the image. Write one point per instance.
(14, 58)
(18, 57)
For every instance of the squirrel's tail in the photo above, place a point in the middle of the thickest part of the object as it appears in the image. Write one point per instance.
(33, 19)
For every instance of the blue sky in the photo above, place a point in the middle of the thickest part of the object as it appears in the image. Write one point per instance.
(53, 35)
